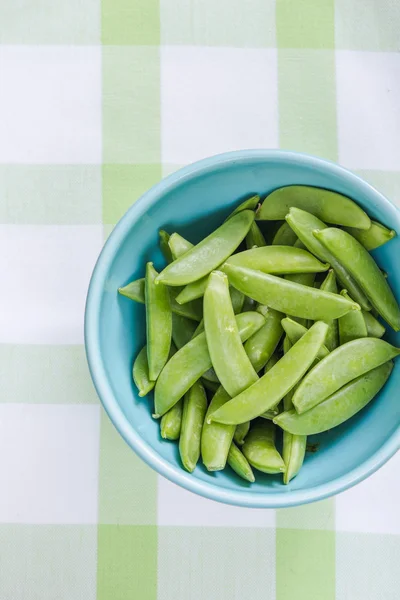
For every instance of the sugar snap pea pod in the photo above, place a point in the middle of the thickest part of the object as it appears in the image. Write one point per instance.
(339, 407)
(360, 264)
(294, 331)
(228, 357)
(374, 327)
(285, 236)
(372, 238)
(209, 253)
(267, 392)
(351, 326)
(249, 204)
(165, 249)
(249, 304)
(304, 223)
(270, 414)
(210, 385)
(182, 330)
(191, 361)
(278, 260)
(271, 363)
(299, 244)
(178, 245)
(240, 432)
(194, 410)
(327, 205)
(293, 453)
(140, 373)
(288, 297)
(338, 368)
(259, 448)
(239, 463)
(303, 279)
(287, 344)
(216, 438)
(199, 328)
(171, 422)
(192, 310)
(255, 237)
(332, 337)
(262, 344)
(237, 299)
(158, 323)
(134, 290)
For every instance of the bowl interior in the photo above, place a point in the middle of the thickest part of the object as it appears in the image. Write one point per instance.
(194, 204)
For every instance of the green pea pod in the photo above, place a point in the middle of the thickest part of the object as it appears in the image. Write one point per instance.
(199, 329)
(374, 327)
(240, 432)
(191, 361)
(299, 244)
(374, 237)
(209, 253)
(178, 245)
(228, 357)
(267, 392)
(269, 414)
(295, 331)
(192, 310)
(165, 249)
(171, 422)
(278, 260)
(259, 448)
(351, 326)
(271, 363)
(303, 279)
(327, 205)
(158, 323)
(216, 438)
(255, 237)
(194, 410)
(303, 223)
(285, 236)
(339, 407)
(293, 453)
(140, 373)
(287, 344)
(332, 337)
(239, 463)
(237, 299)
(249, 204)
(262, 344)
(134, 290)
(360, 264)
(182, 330)
(249, 304)
(288, 297)
(338, 368)
(210, 385)
(195, 290)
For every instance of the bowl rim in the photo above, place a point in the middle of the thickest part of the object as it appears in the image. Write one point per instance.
(246, 497)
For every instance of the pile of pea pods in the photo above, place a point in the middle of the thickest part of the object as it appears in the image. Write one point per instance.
(246, 338)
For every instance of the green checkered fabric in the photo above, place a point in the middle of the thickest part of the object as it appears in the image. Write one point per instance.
(99, 99)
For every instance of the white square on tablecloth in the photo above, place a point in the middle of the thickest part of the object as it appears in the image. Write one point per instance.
(179, 507)
(50, 104)
(372, 506)
(45, 273)
(368, 99)
(49, 458)
(217, 99)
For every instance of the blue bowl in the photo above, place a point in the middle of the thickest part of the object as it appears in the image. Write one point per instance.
(194, 201)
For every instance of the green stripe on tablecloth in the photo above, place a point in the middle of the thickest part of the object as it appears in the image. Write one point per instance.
(216, 563)
(130, 22)
(307, 101)
(305, 536)
(127, 486)
(50, 194)
(45, 375)
(127, 562)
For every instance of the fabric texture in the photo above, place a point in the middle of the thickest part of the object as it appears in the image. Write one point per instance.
(99, 99)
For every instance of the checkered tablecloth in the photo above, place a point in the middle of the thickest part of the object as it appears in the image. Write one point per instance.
(99, 99)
